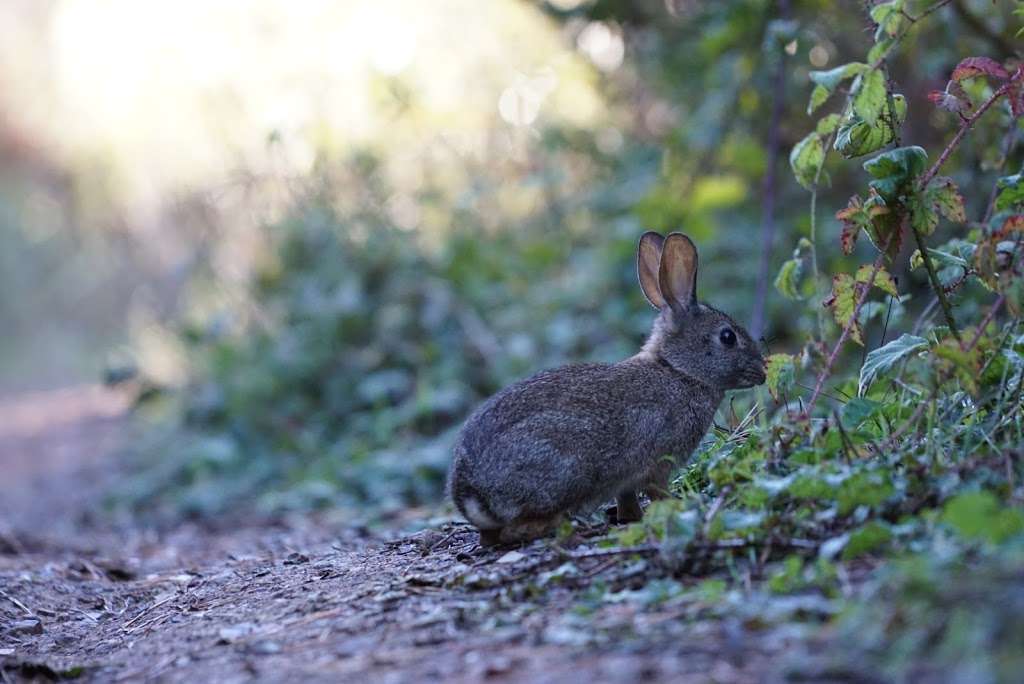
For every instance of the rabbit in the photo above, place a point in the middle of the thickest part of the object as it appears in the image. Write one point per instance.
(569, 439)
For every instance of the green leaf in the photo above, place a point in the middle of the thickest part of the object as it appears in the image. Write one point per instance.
(980, 515)
(842, 302)
(787, 282)
(827, 124)
(895, 170)
(866, 539)
(869, 96)
(830, 80)
(780, 370)
(818, 97)
(881, 360)
(883, 279)
(1011, 192)
(857, 137)
(903, 160)
(943, 194)
(889, 17)
(806, 158)
(880, 49)
(859, 409)
(923, 217)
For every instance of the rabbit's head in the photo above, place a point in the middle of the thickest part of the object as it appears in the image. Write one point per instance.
(691, 337)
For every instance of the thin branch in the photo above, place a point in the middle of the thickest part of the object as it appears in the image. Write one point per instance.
(862, 297)
(933, 278)
(967, 124)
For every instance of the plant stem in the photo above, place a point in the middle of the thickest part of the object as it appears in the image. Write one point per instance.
(862, 297)
(933, 277)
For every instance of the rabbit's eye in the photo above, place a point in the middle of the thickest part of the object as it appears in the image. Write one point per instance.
(728, 337)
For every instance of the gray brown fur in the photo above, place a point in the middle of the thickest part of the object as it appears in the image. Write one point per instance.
(568, 439)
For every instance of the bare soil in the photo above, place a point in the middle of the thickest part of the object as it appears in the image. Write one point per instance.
(309, 598)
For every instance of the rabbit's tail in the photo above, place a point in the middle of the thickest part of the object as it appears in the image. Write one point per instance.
(472, 505)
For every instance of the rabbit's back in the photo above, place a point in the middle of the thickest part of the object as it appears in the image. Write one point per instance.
(569, 438)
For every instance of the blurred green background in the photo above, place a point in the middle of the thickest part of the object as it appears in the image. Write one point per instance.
(318, 233)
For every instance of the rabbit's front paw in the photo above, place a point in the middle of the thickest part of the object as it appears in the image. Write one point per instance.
(627, 508)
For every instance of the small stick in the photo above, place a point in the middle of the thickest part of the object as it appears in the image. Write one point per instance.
(17, 603)
(144, 611)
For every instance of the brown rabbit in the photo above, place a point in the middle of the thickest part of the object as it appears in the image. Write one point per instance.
(569, 439)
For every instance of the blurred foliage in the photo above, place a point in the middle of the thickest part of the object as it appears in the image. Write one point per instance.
(891, 427)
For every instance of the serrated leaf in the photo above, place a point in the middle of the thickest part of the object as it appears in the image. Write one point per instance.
(881, 360)
(869, 96)
(842, 303)
(883, 279)
(854, 219)
(886, 228)
(856, 137)
(1011, 192)
(895, 170)
(806, 158)
(978, 66)
(923, 217)
(943, 194)
(889, 18)
(780, 374)
(787, 282)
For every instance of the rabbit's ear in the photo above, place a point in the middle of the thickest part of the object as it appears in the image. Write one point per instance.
(677, 274)
(648, 264)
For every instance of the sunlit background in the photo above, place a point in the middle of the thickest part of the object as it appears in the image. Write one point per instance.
(130, 133)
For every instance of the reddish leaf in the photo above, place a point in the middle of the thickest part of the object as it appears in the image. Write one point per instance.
(944, 99)
(854, 218)
(978, 66)
(1012, 224)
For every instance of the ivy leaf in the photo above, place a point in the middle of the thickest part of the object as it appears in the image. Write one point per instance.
(978, 66)
(854, 219)
(780, 374)
(857, 137)
(869, 96)
(881, 360)
(806, 158)
(842, 302)
(943, 194)
(883, 279)
(1011, 192)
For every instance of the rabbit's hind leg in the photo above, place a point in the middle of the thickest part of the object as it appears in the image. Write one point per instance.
(522, 531)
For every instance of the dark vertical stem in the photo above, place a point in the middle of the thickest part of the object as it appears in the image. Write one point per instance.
(769, 189)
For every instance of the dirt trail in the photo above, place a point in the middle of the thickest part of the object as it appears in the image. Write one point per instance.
(305, 599)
